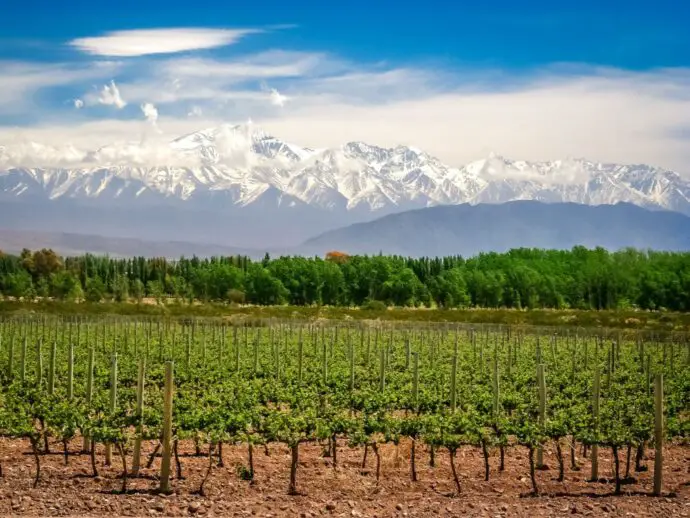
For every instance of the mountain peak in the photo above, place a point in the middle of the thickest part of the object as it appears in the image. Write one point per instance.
(234, 162)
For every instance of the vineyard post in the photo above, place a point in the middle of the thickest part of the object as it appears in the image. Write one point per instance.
(10, 359)
(113, 404)
(382, 373)
(300, 359)
(574, 358)
(136, 460)
(453, 384)
(415, 381)
(352, 366)
(648, 378)
(89, 389)
(658, 432)
(236, 345)
(188, 351)
(167, 428)
(324, 361)
(541, 381)
(407, 352)
(496, 386)
(368, 354)
(609, 363)
(595, 414)
(203, 344)
(257, 337)
(22, 361)
(222, 344)
(51, 370)
(70, 370)
(39, 363)
(135, 340)
(481, 358)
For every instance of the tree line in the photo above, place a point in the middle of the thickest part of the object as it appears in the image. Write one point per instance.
(579, 278)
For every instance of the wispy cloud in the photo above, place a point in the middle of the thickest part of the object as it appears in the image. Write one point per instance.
(278, 99)
(21, 82)
(457, 114)
(158, 41)
(110, 96)
(150, 114)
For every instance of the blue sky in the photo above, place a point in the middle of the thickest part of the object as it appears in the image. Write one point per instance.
(530, 79)
(633, 34)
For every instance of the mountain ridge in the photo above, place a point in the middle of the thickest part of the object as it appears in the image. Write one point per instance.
(237, 175)
(471, 229)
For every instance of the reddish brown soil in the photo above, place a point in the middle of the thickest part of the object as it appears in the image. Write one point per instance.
(70, 491)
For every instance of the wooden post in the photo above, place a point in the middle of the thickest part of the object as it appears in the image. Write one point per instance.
(382, 372)
(10, 359)
(352, 365)
(658, 432)
(453, 384)
(89, 390)
(300, 360)
(324, 360)
(236, 345)
(113, 404)
(136, 460)
(595, 413)
(496, 386)
(39, 363)
(541, 381)
(167, 429)
(415, 381)
(51, 369)
(188, 351)
(70, 371)
(22, 361)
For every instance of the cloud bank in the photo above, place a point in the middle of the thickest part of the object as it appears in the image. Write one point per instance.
(320, 100)
(158, 41)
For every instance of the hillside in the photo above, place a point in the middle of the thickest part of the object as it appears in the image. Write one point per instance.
(470, 229)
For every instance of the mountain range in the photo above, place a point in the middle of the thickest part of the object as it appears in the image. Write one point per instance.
(470, 229)
(238, 186)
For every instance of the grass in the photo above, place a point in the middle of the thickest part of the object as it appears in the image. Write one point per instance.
(623, 319)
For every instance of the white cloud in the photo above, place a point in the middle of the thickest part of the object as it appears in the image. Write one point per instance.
(110, 96)
(22, 82)
(78, 104)
(158, 41)
(150, 112)
(278, 99)
(151, 115)
(457, 115)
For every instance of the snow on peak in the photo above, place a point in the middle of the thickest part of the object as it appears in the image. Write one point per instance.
(244, 161)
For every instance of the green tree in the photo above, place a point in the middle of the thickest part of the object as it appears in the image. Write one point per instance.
(95, 290)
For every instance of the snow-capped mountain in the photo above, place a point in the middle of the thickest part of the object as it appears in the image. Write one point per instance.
(242, 162)
(227, 170)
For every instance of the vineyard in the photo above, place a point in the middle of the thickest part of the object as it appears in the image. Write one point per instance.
(141, 400)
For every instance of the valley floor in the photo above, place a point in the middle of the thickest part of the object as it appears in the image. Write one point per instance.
(348, 491)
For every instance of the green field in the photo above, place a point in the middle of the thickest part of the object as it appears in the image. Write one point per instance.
(449, 386)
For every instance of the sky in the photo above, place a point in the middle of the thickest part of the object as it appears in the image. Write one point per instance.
(532, 80)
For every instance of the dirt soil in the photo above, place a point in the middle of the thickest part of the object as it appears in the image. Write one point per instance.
(324, 491)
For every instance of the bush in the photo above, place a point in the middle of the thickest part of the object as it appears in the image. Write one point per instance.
(236, 296)
(374, 305)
